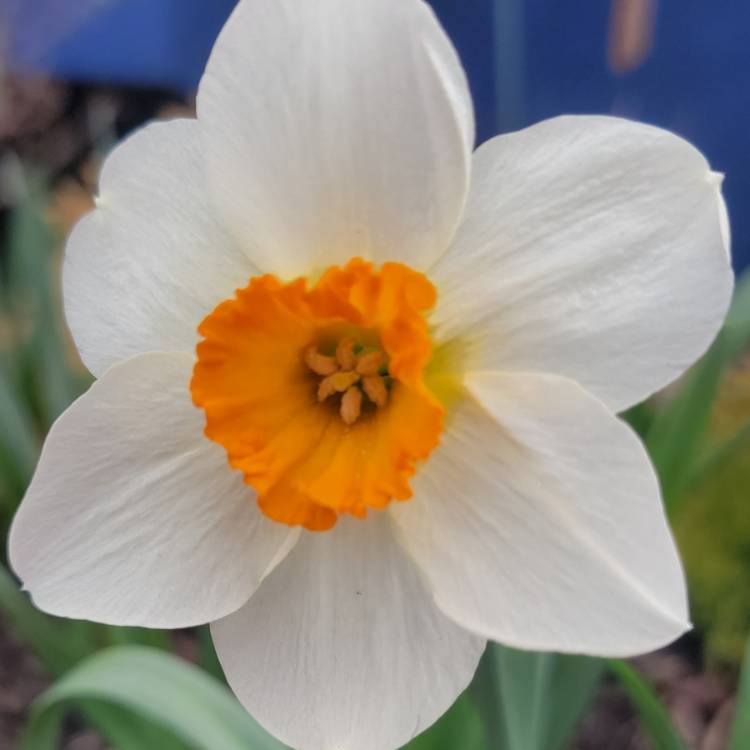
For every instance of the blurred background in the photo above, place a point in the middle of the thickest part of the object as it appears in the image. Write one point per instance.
(78, 75)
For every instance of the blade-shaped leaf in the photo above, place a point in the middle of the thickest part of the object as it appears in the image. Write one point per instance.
(130, 636)
(207, 657)
(59, 644)
(18, 442)
(653, 714)
(35, 300)
(155, 686)
(533, 701)
(126, 732)
(459, 727)
(714, 460)
(677, 431)
(574, 685)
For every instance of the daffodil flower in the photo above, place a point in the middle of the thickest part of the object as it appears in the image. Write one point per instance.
(357, 386)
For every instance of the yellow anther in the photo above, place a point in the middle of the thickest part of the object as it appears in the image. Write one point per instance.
(369, 364)
(311, 461)
(375, 389)
(336, 383)
(349, 374)
(351, 405)
(319, 363)
(345, 355)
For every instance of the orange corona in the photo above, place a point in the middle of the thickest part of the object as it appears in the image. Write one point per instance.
(317, 394)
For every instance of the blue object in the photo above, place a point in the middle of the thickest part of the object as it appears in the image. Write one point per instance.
(472, 33)
(162, 43)
(526, 60)
(695, 82)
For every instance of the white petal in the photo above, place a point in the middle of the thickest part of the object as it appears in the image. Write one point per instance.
(342, 647)
(336, 128)
(144, 268)
(134, 517)
(591, 247)
(538, 523)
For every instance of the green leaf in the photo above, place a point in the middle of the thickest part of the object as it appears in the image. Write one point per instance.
(207, 657)
(640, 417)
(739, 738)
(737, 323)
(154, 686)
(575, 680)
(59, 644)
(677, 431)
(533, 701)
(654, 715)
(18, 442)
(123, 731)
(716, 458)
(129, 636)
(35, 300)
(460, 727)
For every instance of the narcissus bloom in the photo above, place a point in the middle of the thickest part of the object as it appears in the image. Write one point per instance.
(397, 438)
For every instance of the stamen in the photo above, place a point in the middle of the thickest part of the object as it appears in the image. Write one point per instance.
(351, 405)
(350, 373)
(369, 364)
(375, 389)
(259, 377)
(319, 363)
(336, 383)
(345, 355)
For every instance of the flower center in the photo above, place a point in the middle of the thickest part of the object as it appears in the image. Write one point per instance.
(350, 371)
(317, 394)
